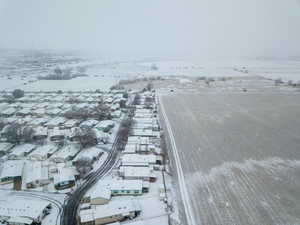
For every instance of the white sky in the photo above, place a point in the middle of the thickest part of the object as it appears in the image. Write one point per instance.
(196, 28)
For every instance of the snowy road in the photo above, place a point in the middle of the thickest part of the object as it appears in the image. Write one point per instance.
(239, 156)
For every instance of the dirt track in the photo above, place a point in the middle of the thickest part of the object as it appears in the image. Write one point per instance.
(239, 154)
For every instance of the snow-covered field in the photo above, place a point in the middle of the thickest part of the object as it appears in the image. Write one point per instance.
(24, 66)
(239, 155)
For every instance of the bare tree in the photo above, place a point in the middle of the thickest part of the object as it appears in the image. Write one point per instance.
(83, 166)
(103, 111)
(278, 81)
(58, 72)
(27, 134)
(125, 128)
(137, 99)
(149, 86)
(18, 93)
(87, 137)
(123, 103)
(14, 133)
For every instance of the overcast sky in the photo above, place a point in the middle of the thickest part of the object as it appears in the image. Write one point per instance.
(154, 27)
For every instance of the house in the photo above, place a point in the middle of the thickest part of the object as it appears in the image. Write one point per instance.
(5, 148)
(116, 114)
(105, 125)
(100, 196)
(138, 148)
(12, 172)
(114, 107)
(92, 154)
(36, 122)
(145, 133)
(109, 213)
(101, 136)
(53, 112)
(36, 175)
(138, 140)
(124, 187)
(137, 158)
(40, 133)
(4, 131)
(65, 154)
(71, 123)
(40, 112)
(23, 212)
(9, 112)
(24, 112)
(89, 123)
(43, 152)
(55, 122)
(74, 134)
(137, 173)
(57, 135)
(21, 151)
(64, 179)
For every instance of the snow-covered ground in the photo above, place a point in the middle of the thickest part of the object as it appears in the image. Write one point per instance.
(56, 200)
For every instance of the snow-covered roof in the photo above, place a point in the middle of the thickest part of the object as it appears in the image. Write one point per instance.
(130, 148)
(89, 153)
(54, 111)
(57, 132)
(66, 152)
(5, 146)
(136, 158)
(143, 111)
(145, 133)
(33, 171)
(40, 131)
(24, 111)
(8, 111)
(105, 123)
(138, 140)
(21, 150)
(144, 120)
(89, 123)
(39, 111)
(131, 171)
(112, 208)
(3, 106)
(64, 174)
(71, 123)
(39, 121)
(12, 168)
(143, 115)
(101, 192)
(43, 151)
(120, 185)
(56, 121)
